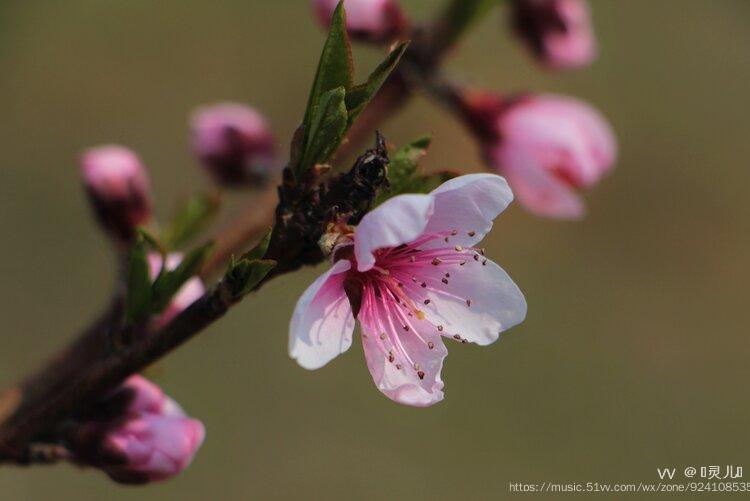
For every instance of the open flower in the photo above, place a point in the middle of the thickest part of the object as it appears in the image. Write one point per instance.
(558, 31)
(412, 274)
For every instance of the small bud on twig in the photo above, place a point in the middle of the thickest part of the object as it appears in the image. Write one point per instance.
(119, 189)
(234, 144)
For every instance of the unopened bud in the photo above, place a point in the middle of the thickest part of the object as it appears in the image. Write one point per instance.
(373, 21)
(118, 187)
(548, 147)
(234, 143)
(558, 31)
(149, 439)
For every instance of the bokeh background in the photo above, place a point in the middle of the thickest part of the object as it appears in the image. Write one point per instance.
(635, 351)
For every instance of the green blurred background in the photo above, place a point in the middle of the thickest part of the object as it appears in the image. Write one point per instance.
(635, 350)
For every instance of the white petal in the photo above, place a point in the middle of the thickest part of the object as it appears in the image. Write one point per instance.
(397, 221)
(468, 204)
(479, 301)
(322, 324)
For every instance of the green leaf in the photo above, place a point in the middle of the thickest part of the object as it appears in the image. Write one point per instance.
(169, 282)
(259, 251)
(138, 298)
(190, 219)
(402, 169)
(335, 68)
(358, 97)
(327, 128)
(244, 275)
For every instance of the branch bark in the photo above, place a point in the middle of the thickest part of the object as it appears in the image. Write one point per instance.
(31, 412)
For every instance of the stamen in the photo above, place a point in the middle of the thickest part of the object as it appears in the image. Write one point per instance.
(431, 345)
(468, 302)
(472, 233)
(436, 261)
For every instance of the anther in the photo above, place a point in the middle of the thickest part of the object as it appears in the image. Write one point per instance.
(445, 281)
(426, 301)
(440, 328)
(398, 366)
(437, 261)
(420, 374)
(454, 232)
(382, 335)
(476, 257)
(484, 263)
(458, 248)
(462, 263)
(424, 284)
(457, 336)
(472, 233)
(468, 302)
(430, 345)
(391, 358)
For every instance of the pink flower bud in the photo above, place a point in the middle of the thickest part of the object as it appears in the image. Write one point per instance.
(149, 439)
(234, 143)
(153, 447)
(190, 292)
(548, 147)
(118, 187)
(374, 21)
(558, 31)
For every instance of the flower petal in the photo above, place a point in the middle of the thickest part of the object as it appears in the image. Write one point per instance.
(538, 189)
(397, 221)
(405, 363)
(322, 324)
(473, 301)
(468, 204)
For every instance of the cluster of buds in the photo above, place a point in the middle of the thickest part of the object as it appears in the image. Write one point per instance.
(137, 435)
(548, 147)
(369, 21)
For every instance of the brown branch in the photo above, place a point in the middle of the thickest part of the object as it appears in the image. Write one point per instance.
(32, 412)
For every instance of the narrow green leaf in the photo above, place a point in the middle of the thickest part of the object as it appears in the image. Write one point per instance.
(359, 96)
(169, 282)
(327, 128)
(138, 296)
(335, 68)
(190, 219)
(259, 251)
(244, 275)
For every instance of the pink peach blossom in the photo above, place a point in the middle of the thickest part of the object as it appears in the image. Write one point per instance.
(412, 275)
(155, 440)
(234, 143)
(190, 292)
(558, 31)
(376, 21)
(548, 147)
(118, 187)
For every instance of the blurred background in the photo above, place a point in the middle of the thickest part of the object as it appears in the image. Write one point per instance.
(635, 350)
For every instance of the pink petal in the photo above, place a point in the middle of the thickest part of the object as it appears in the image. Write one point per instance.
(538, 189)
(475, 301)
(397, 357)
(322, 324)
(468, 204)
(397, 221)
